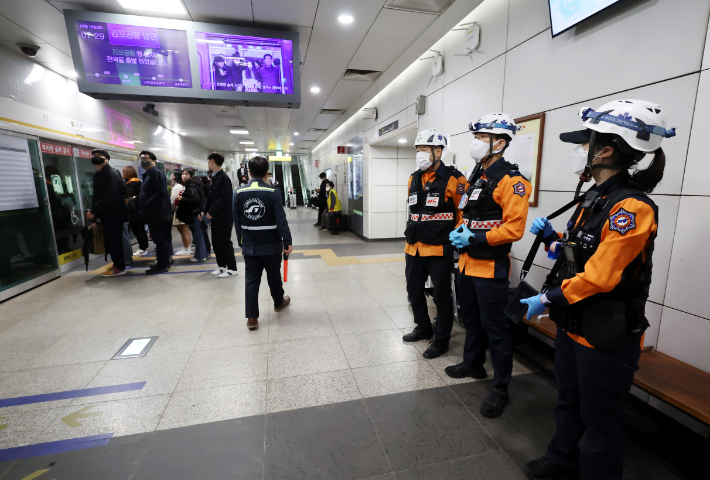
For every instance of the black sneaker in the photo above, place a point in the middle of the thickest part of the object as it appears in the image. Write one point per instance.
(543, 469)
(418, 334)
(463, 371)
(316, 224)
(436, 349)
(156, 270)
(495, 402)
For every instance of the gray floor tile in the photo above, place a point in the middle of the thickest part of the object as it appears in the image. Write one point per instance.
(171, 339)
(361, 320)
(194, 407)
(300, 306)
(81, 349)
(226, 366)
(232, 334)
(298, 327)
(487, 466)
(23, 428)
(396, 378)
(376, 348)
(304, 357)
(349, 302)
(402, 316)
(426, 426)
(311, 390)
(330, 442)
(232, 449)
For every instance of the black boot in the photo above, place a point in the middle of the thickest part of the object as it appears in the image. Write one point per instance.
(436, 349)
(462, 371)
(418, 334)
(542, 469)
(494, 403)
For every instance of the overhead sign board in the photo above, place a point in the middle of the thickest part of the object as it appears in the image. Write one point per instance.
(275, 158)
(388, 128)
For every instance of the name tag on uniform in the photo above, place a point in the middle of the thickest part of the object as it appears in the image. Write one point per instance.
(476, 193)
(432, 201)
(412, 200)
(463, 202)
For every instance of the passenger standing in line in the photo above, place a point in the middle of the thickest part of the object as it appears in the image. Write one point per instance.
(243, 175)
(335, 209)
(109, 205)
(321, 199)
(192, 201)
(434, 197)
(154, 207)
(263, 234)
(135, 222)
(182, 228)
(218, 209)
(204, 223)
(598, 287)
(495, 209)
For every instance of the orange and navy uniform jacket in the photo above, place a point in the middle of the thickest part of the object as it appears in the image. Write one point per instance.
(455, 188)
(512, 194)
(626, 243)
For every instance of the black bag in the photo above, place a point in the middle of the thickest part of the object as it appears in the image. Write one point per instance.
(603, 323)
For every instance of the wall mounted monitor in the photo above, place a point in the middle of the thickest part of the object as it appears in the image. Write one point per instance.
(126, 57)
(565, 14)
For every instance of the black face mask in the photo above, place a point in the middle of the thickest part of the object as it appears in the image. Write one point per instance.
(97, 160)
(146, 164)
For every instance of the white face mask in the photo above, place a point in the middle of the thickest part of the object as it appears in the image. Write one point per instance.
(327, 189)
(579, 159)
(479, 150)
(424, 160)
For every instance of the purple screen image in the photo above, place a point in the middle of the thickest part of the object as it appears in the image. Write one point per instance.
(116, 54)
(241, 63)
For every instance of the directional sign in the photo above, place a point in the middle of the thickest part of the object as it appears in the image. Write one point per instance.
(71, 419)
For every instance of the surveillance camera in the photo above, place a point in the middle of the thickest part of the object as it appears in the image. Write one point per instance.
(150, 109)
(29, 49)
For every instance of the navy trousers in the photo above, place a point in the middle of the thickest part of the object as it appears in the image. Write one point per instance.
(254, 266)
(481, 302)
(593, 386)
(417, 269)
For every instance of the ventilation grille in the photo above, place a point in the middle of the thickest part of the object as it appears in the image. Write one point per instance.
(332, 111)
(361, 75)
(316, 129)
(425, 6)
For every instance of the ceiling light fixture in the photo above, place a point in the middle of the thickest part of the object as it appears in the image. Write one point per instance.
(402, 140)
(183, 133)
(239, 132)
(162, 6)
(246, 143)
(346, 19)
(159, 129)
(36, 73)
(291, 144)
(157, 148)
(315, 90)
(251, 149)
(295, 133)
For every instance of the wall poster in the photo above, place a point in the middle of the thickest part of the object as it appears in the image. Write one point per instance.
(526, 150)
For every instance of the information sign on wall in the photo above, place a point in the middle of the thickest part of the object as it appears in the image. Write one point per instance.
(526, 150)
(388, 128)
(56, 149)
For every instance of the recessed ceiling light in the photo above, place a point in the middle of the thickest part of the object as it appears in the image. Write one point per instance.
(246, 143)
(183, 133)
(345, 19)
(295, 133)
(291, 144)
(315, 90)
(163, 6)
(251, 149)
(36, 73)
(158, 130)
(239, 132)
(402, 140)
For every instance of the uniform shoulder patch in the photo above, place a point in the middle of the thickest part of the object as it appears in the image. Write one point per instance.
(622, 221)
(519, 189)
(460, 188)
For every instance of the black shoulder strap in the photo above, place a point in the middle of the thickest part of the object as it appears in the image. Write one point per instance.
(416, 183)
(609, 202)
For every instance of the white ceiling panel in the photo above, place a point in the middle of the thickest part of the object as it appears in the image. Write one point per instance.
(345, 93)
(40, 18)
(219, 11)
(378, 52)
(291, 12)
(108, 6)
(11, 32)
(324, 121)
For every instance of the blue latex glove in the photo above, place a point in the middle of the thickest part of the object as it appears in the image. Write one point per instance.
(542, 224)
(535, 306)
(460, 237)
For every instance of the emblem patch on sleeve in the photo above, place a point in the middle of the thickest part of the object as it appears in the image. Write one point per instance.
(460, 188)
(622, 221)
(519, 189)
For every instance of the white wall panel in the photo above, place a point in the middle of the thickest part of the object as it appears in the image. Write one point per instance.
(470, 97)
(677, 97)
(653, 315)
(695, 178)
(386, 172)
(384, 198)
(383, 152)
(402, 197)
(419, 76)
(685, 337)
(690, 262)
(405, 167)
(401, 225)
(546, 73)
(432, 117)
(384, 225)
(526, 19)
(459, 145)
(667, 218)
(393, 100)
(493, 18)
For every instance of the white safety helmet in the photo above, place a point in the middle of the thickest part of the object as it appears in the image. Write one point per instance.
(641, 124)
(431, 137)
(498, 123)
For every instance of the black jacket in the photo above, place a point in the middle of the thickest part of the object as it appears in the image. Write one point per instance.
(260, 220)
(219, 200)
(109, 199)
(322, 197)
(193, 198)
(133, 188)
(154, 200)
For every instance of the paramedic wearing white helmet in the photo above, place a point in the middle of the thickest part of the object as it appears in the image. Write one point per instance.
(434, 195)
(495, 209)
(597, 289)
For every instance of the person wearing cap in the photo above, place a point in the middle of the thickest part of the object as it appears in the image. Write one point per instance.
(597, 290)
(434, 192)
(495, 209)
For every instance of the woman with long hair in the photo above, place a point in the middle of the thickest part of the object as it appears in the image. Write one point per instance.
(135, 222)
(192, 201)
(182, 228)
(251, 78)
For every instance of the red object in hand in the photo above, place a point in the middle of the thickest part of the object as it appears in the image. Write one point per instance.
(285, 268)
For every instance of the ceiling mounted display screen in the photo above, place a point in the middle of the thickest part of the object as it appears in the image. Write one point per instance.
(126, 57)
(565, 14)
(241, 63)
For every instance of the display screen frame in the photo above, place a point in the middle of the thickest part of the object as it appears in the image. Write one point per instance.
(195, 94)
(552, 27)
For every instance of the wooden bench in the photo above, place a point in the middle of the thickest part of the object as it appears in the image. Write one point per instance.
(677, 383)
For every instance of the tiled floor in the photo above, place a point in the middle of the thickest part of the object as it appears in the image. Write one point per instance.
(325, 389)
